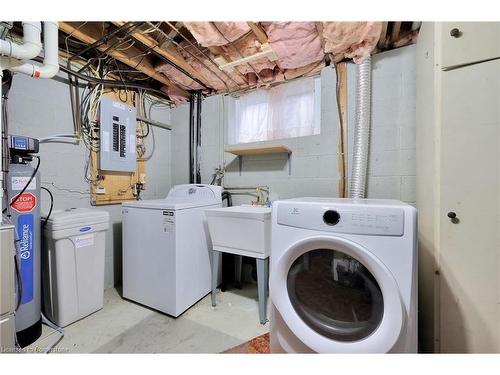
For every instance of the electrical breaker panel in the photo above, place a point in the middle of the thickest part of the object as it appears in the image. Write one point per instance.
(117, 136)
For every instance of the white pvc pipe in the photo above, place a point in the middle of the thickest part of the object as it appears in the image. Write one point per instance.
(361, 130)
(31, 46)
(50, 65)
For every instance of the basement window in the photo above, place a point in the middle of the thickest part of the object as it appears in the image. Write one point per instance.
(289, 110)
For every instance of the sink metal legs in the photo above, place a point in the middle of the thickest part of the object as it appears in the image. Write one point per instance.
(262, 284)
(238, 262)
(262, 281)
(215, 271)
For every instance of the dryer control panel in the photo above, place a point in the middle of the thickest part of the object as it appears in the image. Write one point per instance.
(352, 219)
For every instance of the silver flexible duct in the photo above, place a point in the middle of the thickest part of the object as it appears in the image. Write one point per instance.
(361, 130)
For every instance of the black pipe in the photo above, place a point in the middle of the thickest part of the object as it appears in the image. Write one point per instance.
(198, 137)
(227, 195)
(191, 138)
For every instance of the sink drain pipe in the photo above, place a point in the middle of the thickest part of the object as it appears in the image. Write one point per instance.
(357, 186)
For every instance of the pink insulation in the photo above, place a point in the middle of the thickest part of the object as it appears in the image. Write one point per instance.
(202, 65)
(176, 95)
(174, 74)
(214, 77)
(409, 38)
(354, 40)
(297, 44)
(209, 33)
(247, 46)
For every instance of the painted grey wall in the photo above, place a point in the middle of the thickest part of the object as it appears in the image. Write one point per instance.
(314, 159)
(180, 144)
(39, 108)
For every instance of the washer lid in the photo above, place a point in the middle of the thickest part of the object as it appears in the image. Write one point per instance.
(349, 303)
(175, 203)
(181, 197)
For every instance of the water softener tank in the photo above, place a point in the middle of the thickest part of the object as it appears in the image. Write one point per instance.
(24, 210)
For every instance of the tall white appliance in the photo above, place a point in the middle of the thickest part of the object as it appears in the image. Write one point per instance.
(167, 248)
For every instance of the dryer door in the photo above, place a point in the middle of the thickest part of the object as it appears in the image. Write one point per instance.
(337, 297)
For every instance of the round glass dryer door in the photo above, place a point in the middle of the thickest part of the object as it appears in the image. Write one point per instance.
(335, 295)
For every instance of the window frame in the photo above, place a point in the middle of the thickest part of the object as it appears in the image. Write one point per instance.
(232, 128)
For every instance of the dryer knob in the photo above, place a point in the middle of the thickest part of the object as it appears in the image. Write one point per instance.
(331, 217)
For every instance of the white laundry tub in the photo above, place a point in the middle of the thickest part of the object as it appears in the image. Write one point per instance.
(244, 230)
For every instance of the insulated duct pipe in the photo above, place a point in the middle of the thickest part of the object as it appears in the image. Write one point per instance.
(31, 46)
(50, 65)
(361, 130)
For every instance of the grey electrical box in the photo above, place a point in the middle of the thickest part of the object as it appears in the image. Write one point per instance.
(117, 136)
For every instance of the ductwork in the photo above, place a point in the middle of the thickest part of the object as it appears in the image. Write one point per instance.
(361, 130)
(31, 46)
(50, 65)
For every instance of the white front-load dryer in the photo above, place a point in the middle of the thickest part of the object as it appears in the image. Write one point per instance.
(343, 276)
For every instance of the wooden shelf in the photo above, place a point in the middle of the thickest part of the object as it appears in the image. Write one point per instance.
(258, 150)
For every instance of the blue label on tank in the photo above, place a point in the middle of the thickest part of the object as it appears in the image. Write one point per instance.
(26, 235)
(85, 229)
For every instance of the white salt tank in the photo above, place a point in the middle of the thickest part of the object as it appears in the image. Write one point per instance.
(73, 250)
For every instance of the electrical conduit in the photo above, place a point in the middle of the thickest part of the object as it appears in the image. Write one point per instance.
(361, 130)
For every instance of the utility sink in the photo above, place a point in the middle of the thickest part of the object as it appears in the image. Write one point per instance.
(243, 230)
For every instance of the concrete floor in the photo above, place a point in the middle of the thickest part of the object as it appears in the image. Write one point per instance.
(125, 327)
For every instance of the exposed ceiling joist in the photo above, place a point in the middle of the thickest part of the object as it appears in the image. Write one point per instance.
(396, 27)
(153, 44)
(319, 28)
(172, 33)
(258, 31)
(383, 36)
(134, 57)
(142, 45)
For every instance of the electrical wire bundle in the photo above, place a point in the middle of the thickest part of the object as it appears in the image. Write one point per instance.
(144, 128)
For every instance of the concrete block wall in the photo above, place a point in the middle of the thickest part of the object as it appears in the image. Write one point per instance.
(39, 108)
(314, 158)
(180, 144)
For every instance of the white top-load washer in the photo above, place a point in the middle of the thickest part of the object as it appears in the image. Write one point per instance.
(343, 276)
(166, 248)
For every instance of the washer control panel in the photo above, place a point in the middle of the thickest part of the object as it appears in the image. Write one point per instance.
(353, 219)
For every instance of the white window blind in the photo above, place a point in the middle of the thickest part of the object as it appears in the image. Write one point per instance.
(285, 111)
